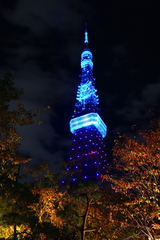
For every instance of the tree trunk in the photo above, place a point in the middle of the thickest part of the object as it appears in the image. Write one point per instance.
(15, 232)
(85, 219)
(82, 234)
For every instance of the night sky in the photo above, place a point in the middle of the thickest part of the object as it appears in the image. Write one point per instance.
(42, 40)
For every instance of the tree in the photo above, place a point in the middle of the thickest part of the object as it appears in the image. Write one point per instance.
(50, 200)
(80, 212)
(88, 214)
(137, 162)
(12, 115)
(49, 195)
(109, 221)
(15, 216)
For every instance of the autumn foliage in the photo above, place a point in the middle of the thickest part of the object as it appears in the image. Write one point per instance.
(50, 200)
(137, 177)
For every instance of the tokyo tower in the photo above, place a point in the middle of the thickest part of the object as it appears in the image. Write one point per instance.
(87, 159)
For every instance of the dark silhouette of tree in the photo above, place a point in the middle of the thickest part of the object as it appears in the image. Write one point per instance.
(12, 115)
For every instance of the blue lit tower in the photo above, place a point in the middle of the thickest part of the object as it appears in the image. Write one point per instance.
(87, 159)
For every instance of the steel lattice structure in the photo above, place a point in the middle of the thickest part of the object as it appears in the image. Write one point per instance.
(87, 157)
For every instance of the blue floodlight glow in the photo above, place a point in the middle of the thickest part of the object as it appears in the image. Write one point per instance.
(86, 37)
(90, 119)
(86, 59)
(85, 91)
(86, 54)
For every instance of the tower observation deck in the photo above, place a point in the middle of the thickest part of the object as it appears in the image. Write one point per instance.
(87, 159)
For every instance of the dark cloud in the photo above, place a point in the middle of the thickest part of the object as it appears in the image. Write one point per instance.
(138, 107)
(39, 41)
(42, 16)
(39, 16)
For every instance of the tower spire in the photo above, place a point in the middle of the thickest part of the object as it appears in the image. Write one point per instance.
(86, 36)
(86, 56)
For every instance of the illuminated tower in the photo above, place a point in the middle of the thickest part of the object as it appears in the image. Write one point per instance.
(87, 159)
